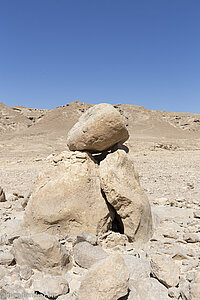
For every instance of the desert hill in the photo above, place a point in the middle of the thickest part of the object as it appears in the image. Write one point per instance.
(52, 125)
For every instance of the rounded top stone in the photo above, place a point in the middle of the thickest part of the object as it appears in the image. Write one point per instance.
(98, 129)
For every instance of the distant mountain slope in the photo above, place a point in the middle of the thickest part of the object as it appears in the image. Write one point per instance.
(18, 117)
(56, 123)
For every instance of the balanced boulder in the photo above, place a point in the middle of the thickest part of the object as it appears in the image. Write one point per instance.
(98, 129)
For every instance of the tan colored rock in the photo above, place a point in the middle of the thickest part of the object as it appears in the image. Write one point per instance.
(6, 258)
(107, 279)
(195, 287)
(99, 128)
(120, 184)
(114, 239)
(25, 272)
(67, 199)
(165, 270)
(138, 268)
(192, 237)
(51, 286)
(40, 251)
(3, 272)
(2, 195)
(151, 289)
(85, 254)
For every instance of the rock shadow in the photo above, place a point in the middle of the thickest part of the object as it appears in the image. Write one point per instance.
(117, 224)
(98, 157)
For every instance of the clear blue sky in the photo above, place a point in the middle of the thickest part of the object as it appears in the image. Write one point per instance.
(144, 52)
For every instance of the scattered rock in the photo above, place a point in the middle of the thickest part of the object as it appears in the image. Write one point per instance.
(191, 237)
(51, 287)
(40, 251)
(2, 195)
(165, 270)
(174, 292)
(2, 272)
(151, 289)
(138, 268)
(25, 272)
(85, 237)
(113, 239)
(197, 214)
(6, 258)
(25, 200)
(85, 255)
(107, 279)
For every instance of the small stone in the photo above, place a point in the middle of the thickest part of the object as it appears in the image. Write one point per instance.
(190, 276)
(150, 288)
(165, 270)
(185, 289)
(197, 214)
(25, 272)
(2, 195)
(25, 200)
(85, 237)
(162, 201)
(40, 251)
(6, 258)
(114, 239)
(18, 194)
(51, 287)
(191, 237)
(107, 279)
(174, 292)
(13, 291)
(3, 272)
(85, 255)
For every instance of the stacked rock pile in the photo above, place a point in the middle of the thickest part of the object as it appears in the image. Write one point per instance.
(89, 192)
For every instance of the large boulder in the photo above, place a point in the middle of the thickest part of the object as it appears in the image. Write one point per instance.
(99, 128)
(107, 279)
(40, 251)
(67, 199)
(122, 190)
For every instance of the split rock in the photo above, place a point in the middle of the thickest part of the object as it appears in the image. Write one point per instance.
(123, 192)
